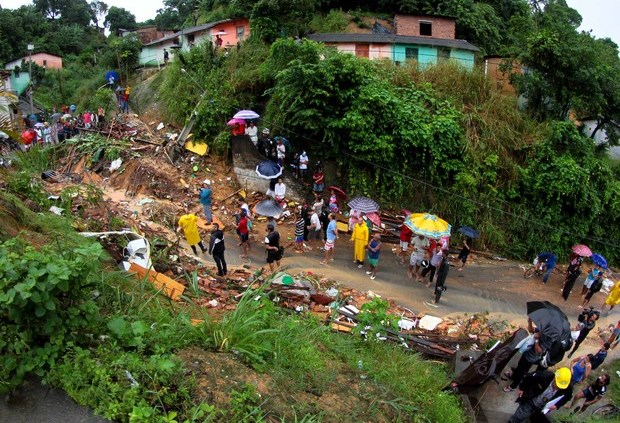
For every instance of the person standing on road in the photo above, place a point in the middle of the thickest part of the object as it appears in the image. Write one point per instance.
(442, 274)
(187, 222)
(405, 239)
(540, 387)
(205, 200)
(272, 246)
(594, 274)
(299, 231)
(572, 273)
(331, 236)
(244, 234)
(587, 321)
(217, 248)
(420, 250)
(596, 286)
(314, 229)
(528, 358)
(360, 241)
(613, 299)
(436, 259)
(374, 250)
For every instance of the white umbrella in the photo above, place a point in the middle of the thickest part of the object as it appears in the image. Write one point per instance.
(246, 114)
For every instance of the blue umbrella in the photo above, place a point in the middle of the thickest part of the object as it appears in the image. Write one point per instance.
(469, 232)
(599, 260)
(268, 169)
(112, 77)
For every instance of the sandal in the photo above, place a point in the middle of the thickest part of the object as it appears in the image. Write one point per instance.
(508, 389)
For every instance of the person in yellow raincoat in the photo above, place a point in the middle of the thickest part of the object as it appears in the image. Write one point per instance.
(187, 222)
(613, 299)
(360, 241)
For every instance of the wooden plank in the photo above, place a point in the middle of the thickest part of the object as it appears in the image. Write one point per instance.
(168, 286)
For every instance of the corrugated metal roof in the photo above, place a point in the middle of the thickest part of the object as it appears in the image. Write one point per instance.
(392, 39)
(187, 31)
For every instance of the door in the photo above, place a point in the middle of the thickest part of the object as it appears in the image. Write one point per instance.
(362, 50)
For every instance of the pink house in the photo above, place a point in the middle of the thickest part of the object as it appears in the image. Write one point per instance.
(45, 60)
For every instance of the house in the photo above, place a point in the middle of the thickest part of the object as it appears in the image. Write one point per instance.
(498, 69)
(426, 39)
(231, 31)
(45, 60)
(148, 34)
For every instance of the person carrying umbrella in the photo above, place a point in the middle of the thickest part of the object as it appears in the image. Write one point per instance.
(360, 241)
(464, 253)
(539, 388)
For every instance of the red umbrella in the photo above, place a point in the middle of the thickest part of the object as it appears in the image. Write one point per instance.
(582, 250)
(339, 192)
(374, 218)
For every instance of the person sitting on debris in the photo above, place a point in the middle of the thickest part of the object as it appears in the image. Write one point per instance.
(187, 222)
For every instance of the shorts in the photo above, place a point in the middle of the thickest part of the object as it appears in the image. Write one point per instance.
(273, 256)
(373, 262)
(588, 394)
(299, 239)
(315, 235)
(319, 187)
(404, 245)
(244, 237)
(415, 260)
(329, 245)
(463, 255)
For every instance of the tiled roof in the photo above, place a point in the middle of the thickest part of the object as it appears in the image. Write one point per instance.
(392, 39)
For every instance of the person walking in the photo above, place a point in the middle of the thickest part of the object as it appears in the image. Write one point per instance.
(300, 223)
(436, 260)
(217, 248)
(205, 200)
(464, 253)
(551, 260)
(374, 251)
(528, 358)
(272, 247)
(595, 287)
(331, 235)
(595, 273)
(572, 273)
(593, 393)
(166, 57)
(442, 274)
(360, 241)
(587, 321)
(613, 299)
(405, 239)
(187, 222)
(537, 389)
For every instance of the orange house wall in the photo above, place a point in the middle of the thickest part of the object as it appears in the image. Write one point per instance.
(45, 60)
(230, 28)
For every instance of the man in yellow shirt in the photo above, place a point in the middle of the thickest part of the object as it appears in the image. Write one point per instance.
(360, 241)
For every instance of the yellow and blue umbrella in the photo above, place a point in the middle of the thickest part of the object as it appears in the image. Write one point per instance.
(428, 225)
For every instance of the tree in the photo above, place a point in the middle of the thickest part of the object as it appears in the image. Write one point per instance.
(98, 11)
(69, 11)
(119, 18)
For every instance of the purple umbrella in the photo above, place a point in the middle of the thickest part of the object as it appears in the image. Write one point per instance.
(364, 204)
(246, 114)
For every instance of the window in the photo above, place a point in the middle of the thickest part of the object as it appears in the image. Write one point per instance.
(443, 54)
(190, 38)
(426, 28)
(411, 53)
(240, 32)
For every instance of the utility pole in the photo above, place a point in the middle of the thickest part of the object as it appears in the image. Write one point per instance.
(30, 48)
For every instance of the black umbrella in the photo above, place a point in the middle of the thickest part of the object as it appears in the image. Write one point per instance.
(268, 169)
(552, 323)
(268, 208)
(469, 232)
